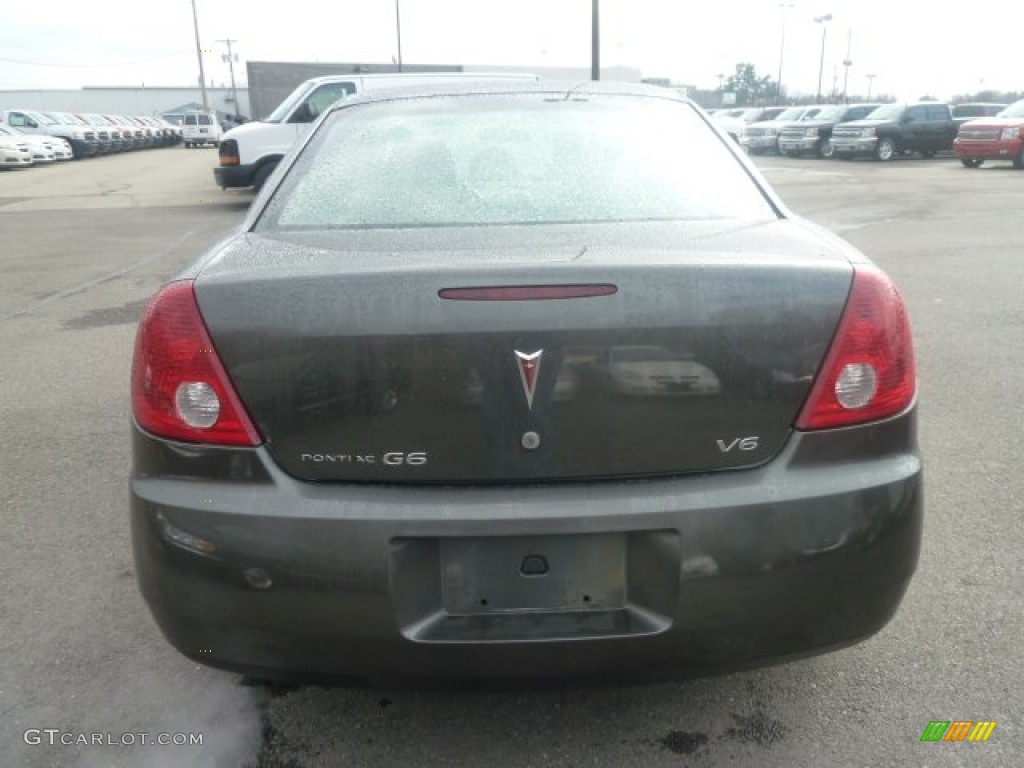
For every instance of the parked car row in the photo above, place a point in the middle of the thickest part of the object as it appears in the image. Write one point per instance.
(91, 134)
(19, 149)
(976, 132)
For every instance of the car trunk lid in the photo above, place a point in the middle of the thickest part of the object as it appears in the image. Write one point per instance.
(692, 351)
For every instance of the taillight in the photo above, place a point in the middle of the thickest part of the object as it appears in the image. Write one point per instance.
(180, 389)
(228, 152)
(869, 372)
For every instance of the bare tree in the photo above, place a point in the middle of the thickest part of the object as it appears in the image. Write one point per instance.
(748, 87)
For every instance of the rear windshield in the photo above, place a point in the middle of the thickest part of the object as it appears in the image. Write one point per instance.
(513, 159)
(198, 120)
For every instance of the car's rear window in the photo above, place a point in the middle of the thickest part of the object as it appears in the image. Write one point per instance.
(513, 159)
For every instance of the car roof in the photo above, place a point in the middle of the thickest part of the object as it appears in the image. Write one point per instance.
(557, 89)
(496, 76)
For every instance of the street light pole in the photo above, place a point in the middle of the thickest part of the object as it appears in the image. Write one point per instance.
(398, 29)
(823, 20)
(782, 49)
(847, 63)
(199, 54)
(595, 41)
(231, 68)
(871, 82)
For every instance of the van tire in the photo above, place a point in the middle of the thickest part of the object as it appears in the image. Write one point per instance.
(263, 174)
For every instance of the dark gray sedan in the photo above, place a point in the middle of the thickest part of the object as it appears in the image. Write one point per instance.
(313, 494)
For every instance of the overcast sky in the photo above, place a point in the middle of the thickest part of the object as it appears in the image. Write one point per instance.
(912, 48)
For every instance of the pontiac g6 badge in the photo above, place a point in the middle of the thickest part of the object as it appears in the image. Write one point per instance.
(529, 370)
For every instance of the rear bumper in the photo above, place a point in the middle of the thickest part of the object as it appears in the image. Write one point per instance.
(234, 175)
(688, 575)
(988, 150)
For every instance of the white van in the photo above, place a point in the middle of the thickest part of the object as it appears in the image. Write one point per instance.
(250, 152)
(199, 128)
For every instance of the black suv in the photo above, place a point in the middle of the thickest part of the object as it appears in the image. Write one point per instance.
(896, 129)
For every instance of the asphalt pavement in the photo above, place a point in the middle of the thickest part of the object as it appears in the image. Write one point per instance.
(82, 245)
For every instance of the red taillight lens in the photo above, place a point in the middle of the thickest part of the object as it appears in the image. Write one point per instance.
(180, 389)
(869, 372)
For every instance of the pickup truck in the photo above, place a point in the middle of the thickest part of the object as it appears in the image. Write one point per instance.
(896, 129)
(993, 138)
(815, 135)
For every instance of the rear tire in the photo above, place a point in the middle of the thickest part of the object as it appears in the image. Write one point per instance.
(927, 153)
(1018, 161)
(885, 150)
(825, 149)
(971, 162)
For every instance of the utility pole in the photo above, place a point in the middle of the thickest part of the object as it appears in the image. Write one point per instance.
(398, 28)
(786, 7)
(595, 42)
(230, 59)
(871, 82)
(199, 54)
(847, 63)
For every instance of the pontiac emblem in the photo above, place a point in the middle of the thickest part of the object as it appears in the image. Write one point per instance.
(529, 370)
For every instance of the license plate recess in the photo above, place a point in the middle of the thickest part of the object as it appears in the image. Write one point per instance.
(498, 574)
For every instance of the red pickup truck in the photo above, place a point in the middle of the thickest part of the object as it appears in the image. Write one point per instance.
(993, 138)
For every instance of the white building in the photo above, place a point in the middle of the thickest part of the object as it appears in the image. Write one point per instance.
(125, 100)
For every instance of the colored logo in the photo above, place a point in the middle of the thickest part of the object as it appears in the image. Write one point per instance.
(529, 371)
(958, 730)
